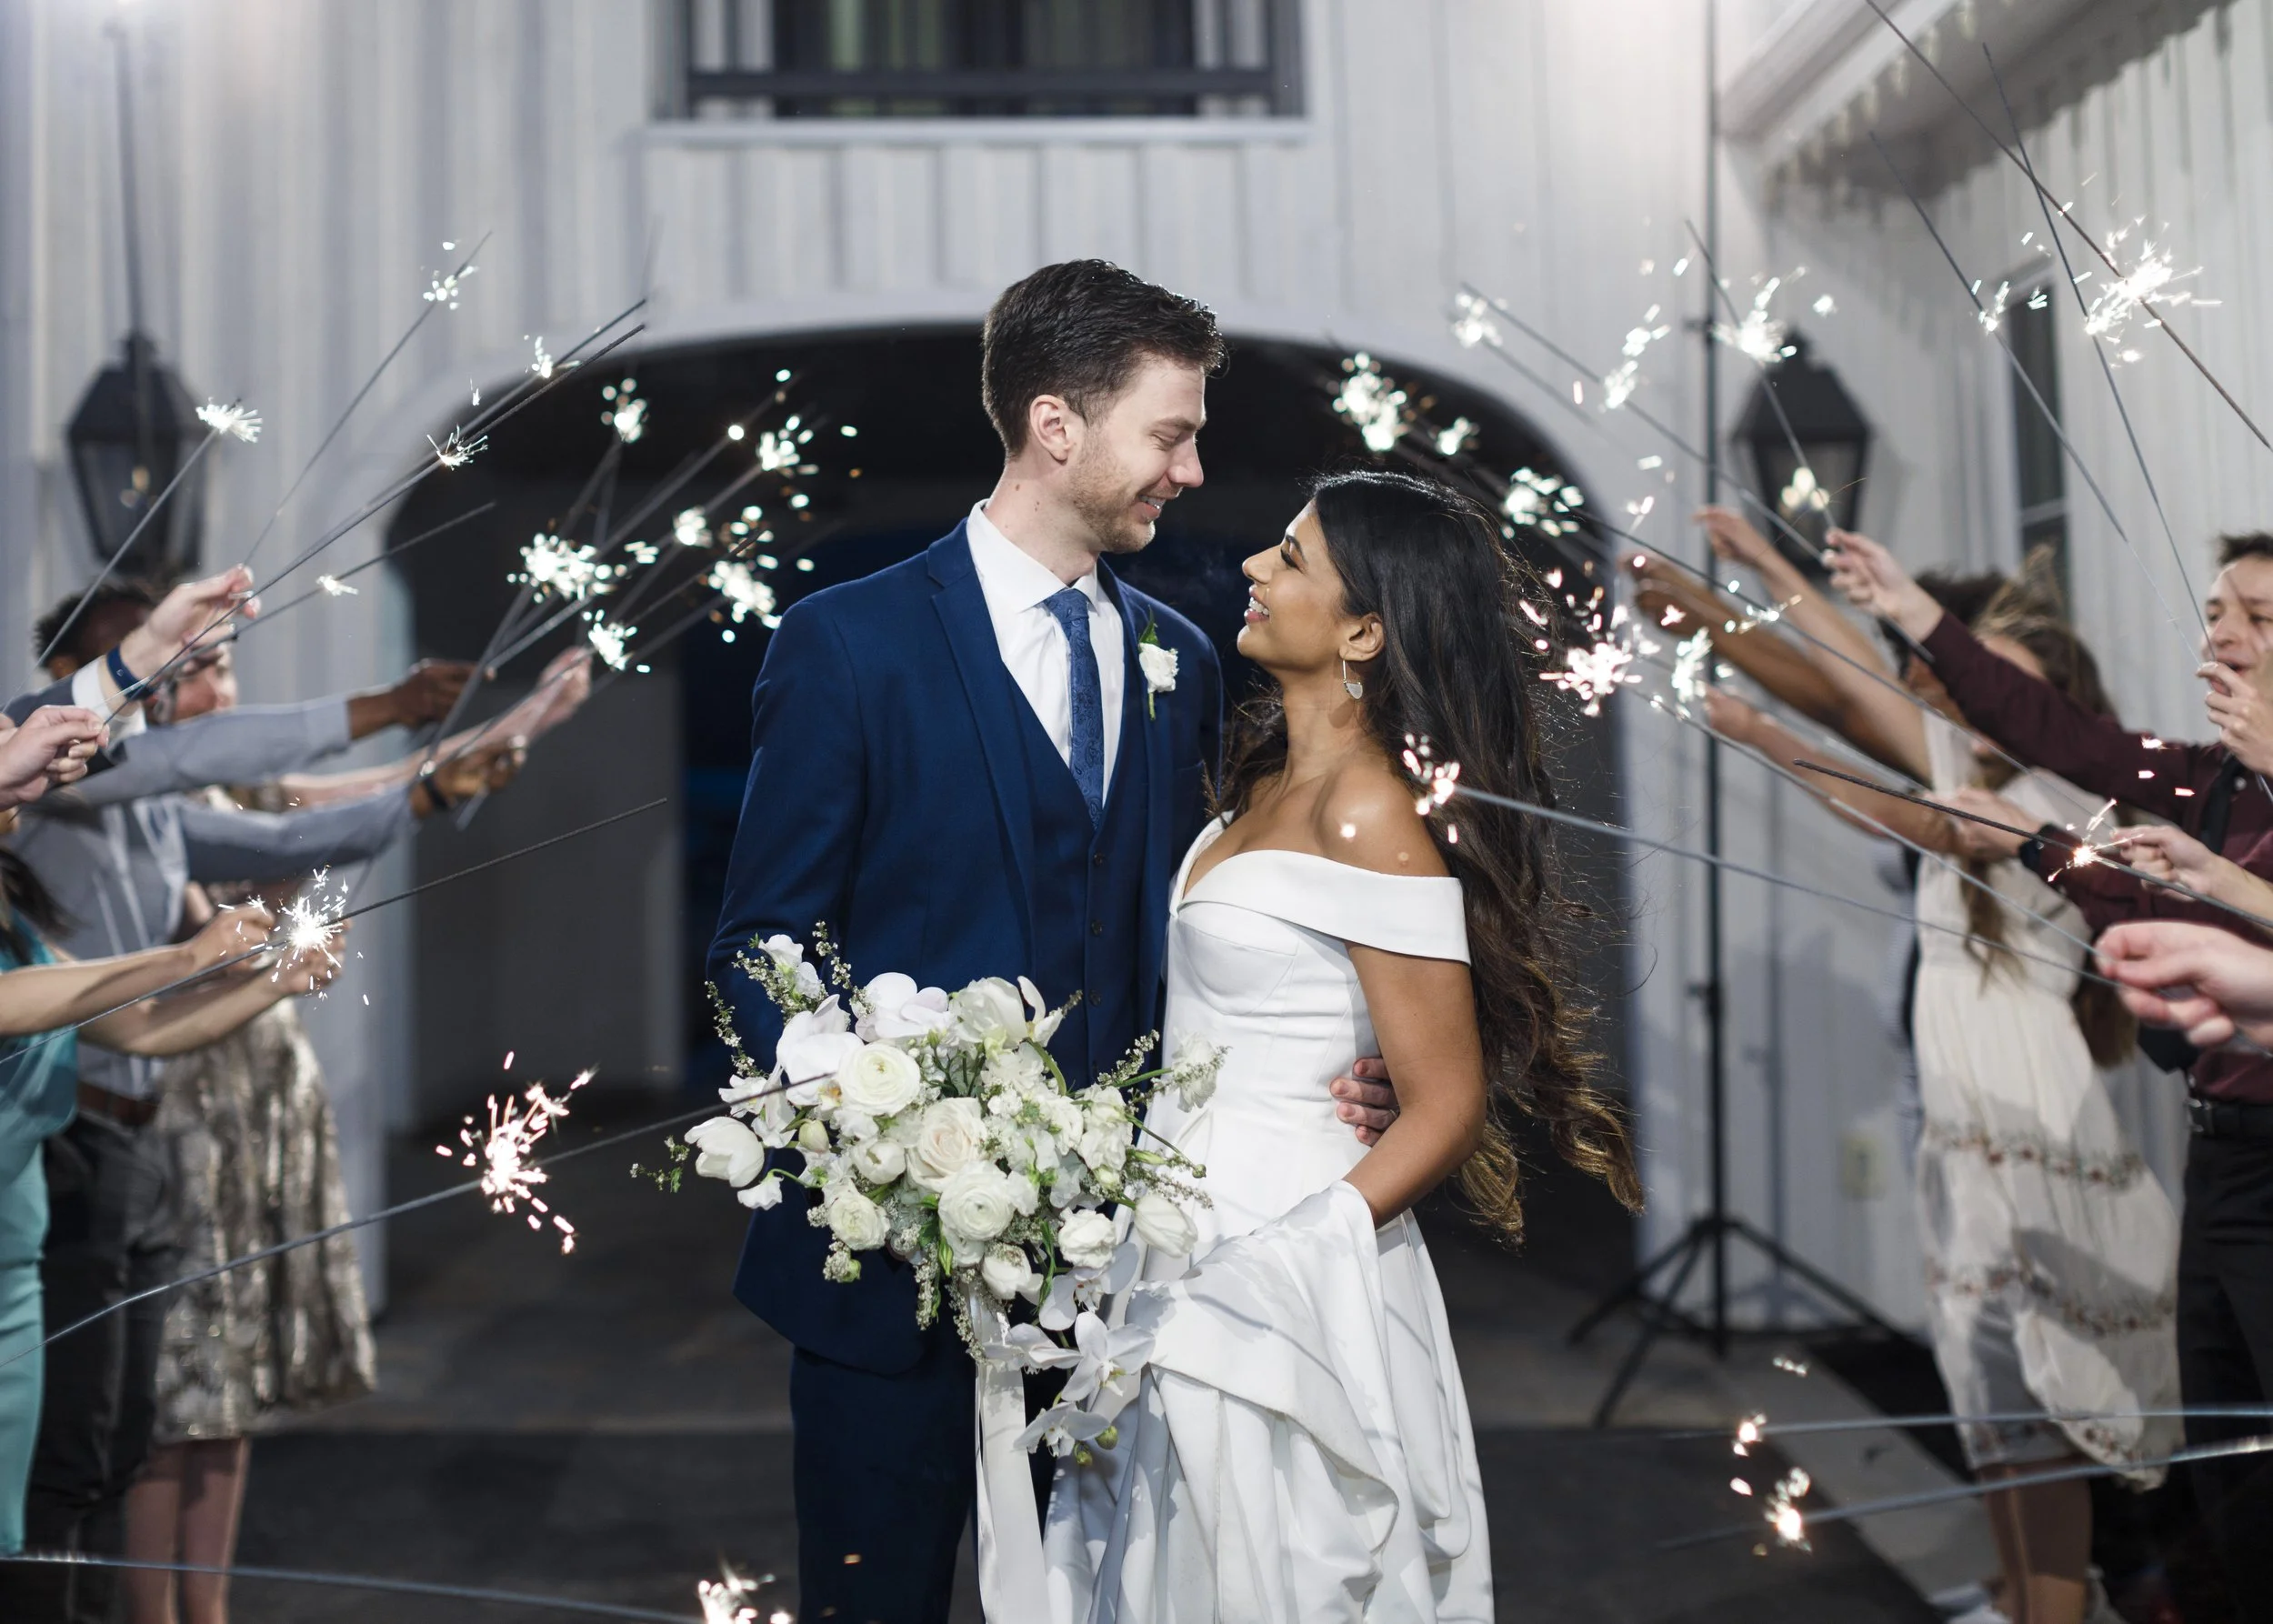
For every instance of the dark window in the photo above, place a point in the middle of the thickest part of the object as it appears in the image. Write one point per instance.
(2040, 479)
(990, 58)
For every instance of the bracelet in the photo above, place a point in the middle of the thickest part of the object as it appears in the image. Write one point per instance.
(127, 680)
(2031, 852)
(432, 784)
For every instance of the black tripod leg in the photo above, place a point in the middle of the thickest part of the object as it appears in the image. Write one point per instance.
(1698, 1240)
(1818, 1279)
(1636, 1287)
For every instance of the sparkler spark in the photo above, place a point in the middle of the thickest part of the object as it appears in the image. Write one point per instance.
(455, 451)
(2145, 286)
(1455, 437)
(1827, 305)
(333, 587)
(1541, 502)
(746, 595)
(543, 364)
(1749, 1432)
(611, 641)
(552, 566)
(691, 528)
(239, 420)
(1783, 1511)
(722, 1598)
(309, 923)
(1692, 669)
(1373, 406)
(1618, 387)
(778, 451)
(1438, 780)
(1760, 335)
(444, 289)
(501, 1150)
(1472, 321)
(628, 415)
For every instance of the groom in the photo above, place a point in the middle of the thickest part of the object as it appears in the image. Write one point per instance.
(964, 766)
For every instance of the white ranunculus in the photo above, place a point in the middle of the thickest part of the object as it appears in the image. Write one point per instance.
(1163, 1226)
(1158, 665)
(988, 1012)
(788, 956)
(1105, 1144)
(726, 1149)
(1086, 1240)
(950, 1133)
(1006, 1271)
(976, 1205)
(762, 1197)
(879, 1161)
(879, 1080)
(855, 1220)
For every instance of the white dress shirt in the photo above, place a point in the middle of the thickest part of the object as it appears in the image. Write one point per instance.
(1018, 587)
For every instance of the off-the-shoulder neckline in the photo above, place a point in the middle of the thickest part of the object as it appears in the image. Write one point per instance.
(1188, 890)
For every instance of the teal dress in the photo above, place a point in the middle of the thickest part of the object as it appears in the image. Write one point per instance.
(38, 1093)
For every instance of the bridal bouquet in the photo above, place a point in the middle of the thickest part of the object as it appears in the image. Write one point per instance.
(937, 1126)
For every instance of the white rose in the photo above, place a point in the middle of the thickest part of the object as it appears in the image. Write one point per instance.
(879, 1161)
(1105, 1144)
(1086, 1240)
(1006, 1271)
(976, 1205)
(725, 1149)
(1158, 665)
(1164, 1226)
(855, 1220)
(988, 1012)
(879, 1080)
(950, 1133)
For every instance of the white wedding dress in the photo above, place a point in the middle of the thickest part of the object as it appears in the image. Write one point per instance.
(1301, 1450)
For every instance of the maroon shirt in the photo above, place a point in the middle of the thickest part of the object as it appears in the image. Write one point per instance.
(2099, 755)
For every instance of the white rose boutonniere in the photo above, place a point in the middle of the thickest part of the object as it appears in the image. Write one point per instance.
(1157, 662)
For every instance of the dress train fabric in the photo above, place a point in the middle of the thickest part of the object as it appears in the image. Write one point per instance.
(1301, 1448)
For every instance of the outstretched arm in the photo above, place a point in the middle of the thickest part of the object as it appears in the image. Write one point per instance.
(192, 1019)
(43, 996)
(1873, 814)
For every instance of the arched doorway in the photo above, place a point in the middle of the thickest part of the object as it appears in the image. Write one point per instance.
(923, 453)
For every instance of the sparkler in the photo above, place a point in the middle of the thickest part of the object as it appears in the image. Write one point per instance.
(501, 1150)
(627, 415)
(1373, 406)
(1472, 321)
(2129, 293)
(455, 451)
(1619, 383)
(542, 365)
(691, 528)
(310, 922)
(552, 567)
(445, 288)
(744, 593)
(1757, 335)
(333, 587)
(235, 419)
(1782, 1509)
(611, 641)
(1455, 437)
(1692, 669)
(1542, 502)
(722, 1598)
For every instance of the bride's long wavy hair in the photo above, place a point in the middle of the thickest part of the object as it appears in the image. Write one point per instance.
(1453, 671)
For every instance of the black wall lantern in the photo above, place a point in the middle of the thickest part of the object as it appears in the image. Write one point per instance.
(136, 423)
(1819, 486)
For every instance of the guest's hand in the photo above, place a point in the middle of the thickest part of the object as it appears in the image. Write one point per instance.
(1978, 839)
(482, 770)
(1874, 582)
(2207, 983)
(233, 937)
(425, 694)
(1367, 1100)
(313, 967)
(1731, 717)
(559, 694)
(52, 748)
(2241, 716)
(1734, 538)
(196, 612)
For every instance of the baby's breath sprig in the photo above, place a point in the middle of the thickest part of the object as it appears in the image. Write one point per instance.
(666, 1180)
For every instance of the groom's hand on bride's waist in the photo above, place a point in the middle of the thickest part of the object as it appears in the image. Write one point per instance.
(1365, 1099)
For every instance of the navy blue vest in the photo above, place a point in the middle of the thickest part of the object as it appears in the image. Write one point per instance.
(1088, 895)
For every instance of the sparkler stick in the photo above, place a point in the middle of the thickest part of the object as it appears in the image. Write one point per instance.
(1760, 1426)
(359, 1581)
(2051, 418)
(1963, 1491)
(1775, 397)
(2061, 209)
(1635, 837)
(213, 433)
(2076, 842)
(427, 307)
(396, 551)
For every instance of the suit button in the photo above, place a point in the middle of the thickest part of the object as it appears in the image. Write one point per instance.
(1098, 861)
(1096, 927)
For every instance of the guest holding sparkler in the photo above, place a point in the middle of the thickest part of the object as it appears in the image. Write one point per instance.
(2049, 1245)
(246, 1131)
(45, 997)
(119, 859)
(2211, 792)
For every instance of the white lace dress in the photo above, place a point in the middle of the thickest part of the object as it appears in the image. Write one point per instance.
(2051, 1251)
(1301, 1448)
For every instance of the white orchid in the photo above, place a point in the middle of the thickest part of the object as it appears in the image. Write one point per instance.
(1110, 1365)
(1062, 1428)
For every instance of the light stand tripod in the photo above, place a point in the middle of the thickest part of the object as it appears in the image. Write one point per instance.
(1706, 1235)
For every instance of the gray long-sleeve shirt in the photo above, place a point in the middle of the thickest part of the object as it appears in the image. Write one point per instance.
(118, 866)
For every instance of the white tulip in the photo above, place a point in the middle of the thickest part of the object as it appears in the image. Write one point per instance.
(1163, 1226)
(726, 1149)
(813, 1137)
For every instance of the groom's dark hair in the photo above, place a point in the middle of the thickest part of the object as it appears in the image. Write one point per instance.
(1079, 330)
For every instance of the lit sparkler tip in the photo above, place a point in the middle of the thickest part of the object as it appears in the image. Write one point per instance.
(722, 1598)
(241, 421)
(627, 414)
(1375, 406)
(333, 587)
(611, 641)
(542, 363)
(1472, 321)
(443, 290)
(552, 566)
(745, 594)
(455, 450)
(1455, 437)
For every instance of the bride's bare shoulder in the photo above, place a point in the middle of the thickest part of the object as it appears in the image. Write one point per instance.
(1366, 818)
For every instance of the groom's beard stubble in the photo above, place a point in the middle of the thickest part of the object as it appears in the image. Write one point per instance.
(1099, 494)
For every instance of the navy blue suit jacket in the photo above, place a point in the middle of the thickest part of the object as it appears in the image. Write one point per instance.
(887, 797)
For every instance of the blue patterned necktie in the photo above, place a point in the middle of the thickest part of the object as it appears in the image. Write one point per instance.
(1070, 609)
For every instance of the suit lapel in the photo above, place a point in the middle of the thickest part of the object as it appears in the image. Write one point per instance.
(987, 684)
(1159, 814)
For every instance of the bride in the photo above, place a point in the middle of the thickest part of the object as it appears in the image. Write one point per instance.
(1299, 1448)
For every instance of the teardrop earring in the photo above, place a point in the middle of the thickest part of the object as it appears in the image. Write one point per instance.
(1352, 686)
